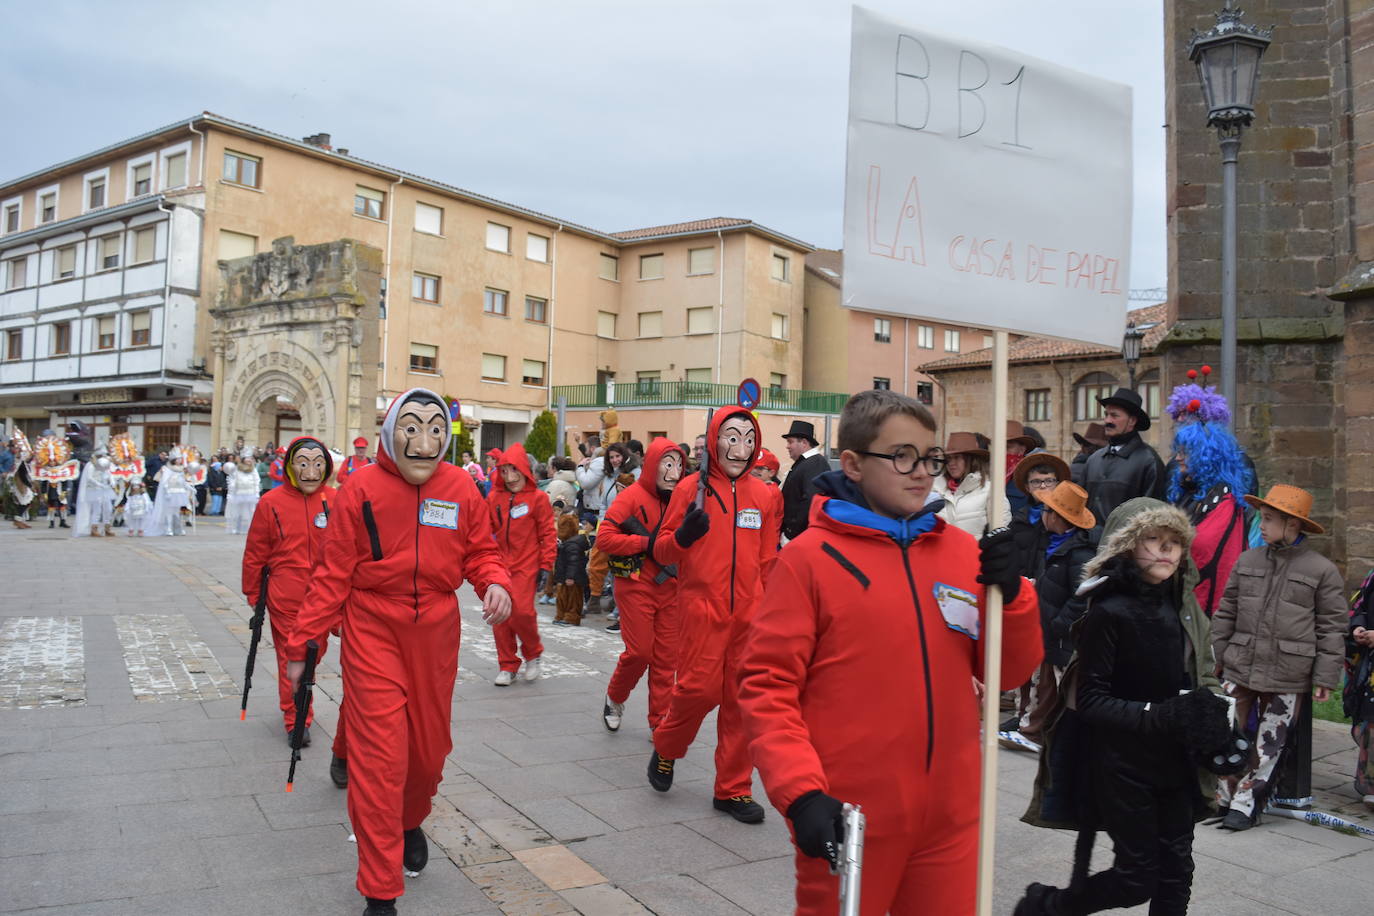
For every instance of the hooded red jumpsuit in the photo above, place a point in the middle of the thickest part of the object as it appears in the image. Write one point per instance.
(287, 538)
(647, 601)
(720, 580)
(855, 681)
(528, 542)
(394, 557)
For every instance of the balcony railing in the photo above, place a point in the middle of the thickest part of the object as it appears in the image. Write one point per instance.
(652, 393)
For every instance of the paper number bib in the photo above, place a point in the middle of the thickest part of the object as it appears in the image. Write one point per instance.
(749, 518)
(438, 513)
(520, 511)
(959, 608)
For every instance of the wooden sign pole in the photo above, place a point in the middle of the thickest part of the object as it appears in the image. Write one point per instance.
(992, 634)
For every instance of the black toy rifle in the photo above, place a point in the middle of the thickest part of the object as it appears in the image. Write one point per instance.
(303, 693)
(703, 470)
(254, 624)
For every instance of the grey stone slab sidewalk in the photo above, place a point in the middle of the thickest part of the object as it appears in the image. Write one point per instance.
(173, 806)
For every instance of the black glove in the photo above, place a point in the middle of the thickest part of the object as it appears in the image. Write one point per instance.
(818, 821)
(999, 562)
(693, 528)
(1198, 720)
(1231, 758)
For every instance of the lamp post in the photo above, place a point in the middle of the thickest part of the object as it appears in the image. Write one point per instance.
(1227, 58)
(1130, 350)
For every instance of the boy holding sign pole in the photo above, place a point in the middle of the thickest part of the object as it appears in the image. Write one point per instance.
(880, 591)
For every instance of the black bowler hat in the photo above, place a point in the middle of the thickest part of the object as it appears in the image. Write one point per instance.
(802, 430)
(1129, 400)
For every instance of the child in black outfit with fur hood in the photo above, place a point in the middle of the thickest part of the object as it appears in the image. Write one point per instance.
(1126, 758)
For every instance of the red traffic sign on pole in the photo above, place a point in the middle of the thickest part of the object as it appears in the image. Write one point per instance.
(749, 392)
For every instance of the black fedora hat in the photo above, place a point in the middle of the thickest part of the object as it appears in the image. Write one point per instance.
(1128, 400)
(802, 430)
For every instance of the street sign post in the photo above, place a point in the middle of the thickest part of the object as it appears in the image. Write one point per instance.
(749, 394)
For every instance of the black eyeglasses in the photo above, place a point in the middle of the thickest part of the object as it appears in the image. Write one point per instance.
(906, 457)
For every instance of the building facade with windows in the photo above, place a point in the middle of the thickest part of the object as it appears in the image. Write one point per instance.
(1053, 385)
(850, 349)
(109, 266)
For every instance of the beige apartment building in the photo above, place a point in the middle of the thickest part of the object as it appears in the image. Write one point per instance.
(110, 267)
(849, 349)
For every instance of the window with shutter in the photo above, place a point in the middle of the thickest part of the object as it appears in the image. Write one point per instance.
(493, 367)
(429, 219)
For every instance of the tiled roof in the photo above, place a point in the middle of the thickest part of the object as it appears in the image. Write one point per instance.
(1041, 349)
(828, 264)
(696, 225)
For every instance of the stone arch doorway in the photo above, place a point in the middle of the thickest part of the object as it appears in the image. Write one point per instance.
(298, 326)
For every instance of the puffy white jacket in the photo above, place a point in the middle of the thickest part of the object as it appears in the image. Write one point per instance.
(967, 507)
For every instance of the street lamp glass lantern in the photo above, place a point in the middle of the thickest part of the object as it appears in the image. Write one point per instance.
(1130, 343)
(1227, 58)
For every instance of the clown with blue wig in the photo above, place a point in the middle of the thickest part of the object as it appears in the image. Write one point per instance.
(1209, 476)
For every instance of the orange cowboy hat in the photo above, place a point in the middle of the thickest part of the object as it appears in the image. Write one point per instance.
(964, 444)
(1070, 501)
(1289, 500)
(1039, 460)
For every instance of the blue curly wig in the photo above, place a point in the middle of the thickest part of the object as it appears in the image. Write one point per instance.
(1213, 456)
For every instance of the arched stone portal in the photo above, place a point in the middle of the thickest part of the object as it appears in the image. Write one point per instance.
(298, 324)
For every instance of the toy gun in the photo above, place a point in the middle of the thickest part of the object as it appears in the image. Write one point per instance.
(704, 470)
(312, 653)
(848, 860)
(254, 624)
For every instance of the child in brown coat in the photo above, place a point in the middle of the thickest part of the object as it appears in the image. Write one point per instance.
(570, 571)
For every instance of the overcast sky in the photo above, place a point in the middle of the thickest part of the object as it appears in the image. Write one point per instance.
(615, 114)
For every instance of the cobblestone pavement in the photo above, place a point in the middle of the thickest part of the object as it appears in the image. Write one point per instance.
(128, 785)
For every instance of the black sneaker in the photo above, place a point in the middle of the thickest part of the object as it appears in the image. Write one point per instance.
(742, 808)
(1035, 902)
(377, 907)
(1010, 725)
(338, 771)
(305, 737)
(660, 772)
(1239, 820)
(416, 855)
(614, 627)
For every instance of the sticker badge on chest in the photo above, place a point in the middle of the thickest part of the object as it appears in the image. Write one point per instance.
(439, 513)
(321, 520)
(520, 511)
(749, 518)
(959, 608)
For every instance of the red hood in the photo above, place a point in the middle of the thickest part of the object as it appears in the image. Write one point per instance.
(384, 456)
(515, 455)
(648, 475)
(713, 436)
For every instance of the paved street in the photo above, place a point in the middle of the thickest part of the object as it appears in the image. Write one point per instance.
(129, 785)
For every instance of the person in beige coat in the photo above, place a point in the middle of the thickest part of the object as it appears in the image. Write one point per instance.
(964, 486)
(1280, 630)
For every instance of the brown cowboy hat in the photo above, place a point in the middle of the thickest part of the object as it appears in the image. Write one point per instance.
(1039, 460)
(1095, 435)
(1289, 500)
(1017, 433)
(964, 444)
(1071, 501)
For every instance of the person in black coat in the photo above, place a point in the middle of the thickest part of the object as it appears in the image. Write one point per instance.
(1092, 439)
(570, 570)
(1127, 467)
(800, 485)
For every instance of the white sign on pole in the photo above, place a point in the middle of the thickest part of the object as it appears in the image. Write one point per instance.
(985, 186)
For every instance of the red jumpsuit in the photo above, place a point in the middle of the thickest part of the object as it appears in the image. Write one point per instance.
(528, 542)
(648, 600)
(855, 680)
(394, 557)
(287, 538)
(351, 465)
(720, 580)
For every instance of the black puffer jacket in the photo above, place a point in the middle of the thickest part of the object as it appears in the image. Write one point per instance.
(1125, 469)
(571, 562)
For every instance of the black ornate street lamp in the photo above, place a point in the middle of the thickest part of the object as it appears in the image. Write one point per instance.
(1227, 58)
(1130, 350)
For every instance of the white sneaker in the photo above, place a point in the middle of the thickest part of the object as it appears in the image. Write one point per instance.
(611, 714)
(531, 670)
(504, 678)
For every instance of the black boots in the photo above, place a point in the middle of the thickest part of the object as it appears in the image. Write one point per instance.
(1040, 900)
(416, 855)
(338, 771)
(376, 907)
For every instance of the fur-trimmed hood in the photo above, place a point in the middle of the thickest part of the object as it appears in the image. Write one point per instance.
(1128, 522)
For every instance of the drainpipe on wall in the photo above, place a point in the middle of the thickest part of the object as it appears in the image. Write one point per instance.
(906, 356)
(553, 300)
(390, 291)
(201, 168)
(166, 286)
(720, 307)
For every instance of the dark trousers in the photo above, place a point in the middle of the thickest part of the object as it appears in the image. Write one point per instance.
(1152, 835)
